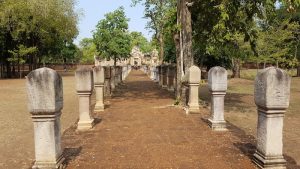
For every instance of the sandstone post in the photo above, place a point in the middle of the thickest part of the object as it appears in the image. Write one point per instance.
(84, 86)
(98, 73)
(107, 86)
(271, 95)
(45, 95)
(217, 84)
(194, 77)
(156, 74)
(112, 79)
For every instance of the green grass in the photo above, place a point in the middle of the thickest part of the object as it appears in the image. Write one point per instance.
(250, 74)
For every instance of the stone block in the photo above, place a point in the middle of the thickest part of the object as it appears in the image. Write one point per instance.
(217, 79)
(271, 95)
(272, 89)
(40, 83)
(194, 77)
(217, 84)
(45, 95)
(84, 80)
(98, 73)
(84, 86)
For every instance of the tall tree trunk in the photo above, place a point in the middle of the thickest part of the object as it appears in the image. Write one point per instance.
(162, 47)
(186, 33)
(236, 71)
(178, 66)
(19, 69)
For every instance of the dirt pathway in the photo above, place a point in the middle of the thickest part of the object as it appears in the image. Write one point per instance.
(140, 129)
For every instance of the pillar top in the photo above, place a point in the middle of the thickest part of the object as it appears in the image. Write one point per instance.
(44, 91)
(272, 89)
(98, 74)
(194, 74)
(217, 79)
(84, 79)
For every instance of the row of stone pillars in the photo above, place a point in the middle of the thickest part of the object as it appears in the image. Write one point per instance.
(272, 92)
(45, 95)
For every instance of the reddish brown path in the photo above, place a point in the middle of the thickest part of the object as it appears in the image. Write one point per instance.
(140, 129)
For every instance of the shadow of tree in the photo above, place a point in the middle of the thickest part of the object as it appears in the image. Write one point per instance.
(70, 154)
(247, 145)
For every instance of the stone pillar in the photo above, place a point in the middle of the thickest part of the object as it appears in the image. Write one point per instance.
(45, 94)
(107, 86)
(194, 77)
(98, 73)
(112, 78)
(217, 84)
(84, 87)
(154, 73)
(119, 74)
(157, 74)
(124, 72)
(271, 95)
(160, 75)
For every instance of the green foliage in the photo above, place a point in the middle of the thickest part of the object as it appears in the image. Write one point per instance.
(111, 36)
(160, 14)
(247, 31)
(36, 31)
(137, 39)
(19, 54)
(88, 49)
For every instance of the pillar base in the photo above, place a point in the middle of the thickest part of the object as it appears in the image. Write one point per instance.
(194, 109)
(58, 164)
(271, 162)
(99, 107)
(85, 125)
(217, 125)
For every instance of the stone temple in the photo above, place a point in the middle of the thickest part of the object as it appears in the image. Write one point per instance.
(137, 58)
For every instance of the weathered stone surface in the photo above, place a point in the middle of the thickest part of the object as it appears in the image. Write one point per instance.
(217, 79)
(45, 94)
(98, 73)
(194, 75)
(84, 80)
(272, 92)
(272, 89)
(217, 84)
(84, 86)
(107, 86)
(113, 79)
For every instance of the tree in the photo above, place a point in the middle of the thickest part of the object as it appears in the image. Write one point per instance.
(156, 11)
(184, 19)
(30, 24)
(88, 49)
(111, 36)
(137, 39)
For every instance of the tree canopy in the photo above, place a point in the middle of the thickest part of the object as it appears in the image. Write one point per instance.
(35, 32)
(111, 37)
